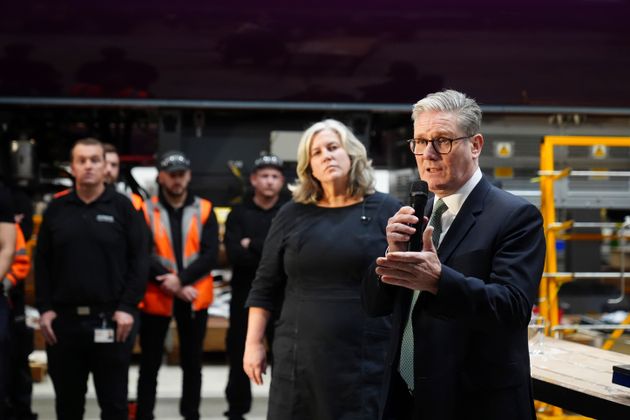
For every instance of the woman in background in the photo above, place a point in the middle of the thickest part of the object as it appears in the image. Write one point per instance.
(328, 354)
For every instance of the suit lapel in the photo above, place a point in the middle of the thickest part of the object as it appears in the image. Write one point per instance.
(465, 220)
(462, 224)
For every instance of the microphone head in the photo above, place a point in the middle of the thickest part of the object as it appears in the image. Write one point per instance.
(418, 188)
(418, 196)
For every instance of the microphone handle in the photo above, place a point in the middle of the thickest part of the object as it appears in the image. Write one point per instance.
(418, 203)
(415, 242)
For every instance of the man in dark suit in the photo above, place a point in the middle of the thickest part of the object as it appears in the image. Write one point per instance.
(461, 305)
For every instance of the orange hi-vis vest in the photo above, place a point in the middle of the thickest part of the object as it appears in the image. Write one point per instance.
(136, 199)
(21, 262)
(155, 301)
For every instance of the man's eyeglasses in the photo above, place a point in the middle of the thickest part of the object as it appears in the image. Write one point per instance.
(442, 145)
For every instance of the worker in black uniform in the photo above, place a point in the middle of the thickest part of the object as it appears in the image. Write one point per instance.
(7, 248)
(91, 266)
(245, 232)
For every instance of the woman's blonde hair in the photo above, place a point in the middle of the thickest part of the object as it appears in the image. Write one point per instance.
(307, 189)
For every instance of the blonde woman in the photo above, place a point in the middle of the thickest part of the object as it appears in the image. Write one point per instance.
(328, 355)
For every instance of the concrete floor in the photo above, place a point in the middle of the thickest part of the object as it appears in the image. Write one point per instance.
(169, 385)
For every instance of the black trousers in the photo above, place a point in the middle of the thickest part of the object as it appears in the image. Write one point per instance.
(4, 350)
(238, 391)
(191, 329)
(20, 384)
(76, 355)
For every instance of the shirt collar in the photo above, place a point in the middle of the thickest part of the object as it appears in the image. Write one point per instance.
(190, 198)
(456, 201)
(106, 195)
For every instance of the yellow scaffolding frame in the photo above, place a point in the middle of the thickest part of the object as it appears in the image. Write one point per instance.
(552, 280)
(550, 283)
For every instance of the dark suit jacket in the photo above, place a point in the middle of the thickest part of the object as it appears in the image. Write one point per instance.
(471, 355)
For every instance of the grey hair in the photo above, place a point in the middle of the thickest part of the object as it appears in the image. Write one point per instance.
(307, 189)
(466, 109)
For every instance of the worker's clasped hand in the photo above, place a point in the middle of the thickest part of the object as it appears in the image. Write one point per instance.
(413, 270)
(187, 293)
(169, 283)
(124, 324)
(45, 325)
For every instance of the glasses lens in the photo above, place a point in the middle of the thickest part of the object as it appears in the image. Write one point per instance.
(419, 146)
(442, 145)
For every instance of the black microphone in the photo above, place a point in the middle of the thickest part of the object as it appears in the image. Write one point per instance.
(418, 196)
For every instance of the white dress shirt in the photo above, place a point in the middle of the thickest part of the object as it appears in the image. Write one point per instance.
(455, 202)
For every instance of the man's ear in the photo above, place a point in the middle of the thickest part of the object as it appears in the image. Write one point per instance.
(476, 144)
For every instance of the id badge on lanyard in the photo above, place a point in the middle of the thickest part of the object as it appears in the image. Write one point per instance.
(103, 334)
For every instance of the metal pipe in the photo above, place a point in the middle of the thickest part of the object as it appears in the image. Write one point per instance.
(620, 174)
(590, 327)
(612, 225)
(622, 262)
(286, 105)
(587, 275)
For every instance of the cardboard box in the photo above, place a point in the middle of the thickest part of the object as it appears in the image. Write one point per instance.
(38, 371)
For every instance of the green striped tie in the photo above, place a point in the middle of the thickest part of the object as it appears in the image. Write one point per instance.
(406, 347)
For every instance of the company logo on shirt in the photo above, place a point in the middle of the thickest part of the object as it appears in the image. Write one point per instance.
(104, 218)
